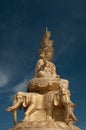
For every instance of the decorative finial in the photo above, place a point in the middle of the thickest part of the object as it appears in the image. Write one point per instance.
(46, 29)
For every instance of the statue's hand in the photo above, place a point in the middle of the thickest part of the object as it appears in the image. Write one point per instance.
(9, 109)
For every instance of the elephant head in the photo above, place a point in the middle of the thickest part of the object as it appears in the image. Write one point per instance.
(22, 98)
(56, 98)
(20, 101)
(62, 96)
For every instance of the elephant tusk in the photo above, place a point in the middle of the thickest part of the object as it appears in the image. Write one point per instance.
(15, 117)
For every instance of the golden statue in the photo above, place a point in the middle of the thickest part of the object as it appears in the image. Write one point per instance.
(47, 103)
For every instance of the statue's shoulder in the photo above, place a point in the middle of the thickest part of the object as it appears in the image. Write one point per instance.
(40, 61)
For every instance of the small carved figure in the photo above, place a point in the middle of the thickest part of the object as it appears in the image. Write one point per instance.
(64, 100)
(69, 115)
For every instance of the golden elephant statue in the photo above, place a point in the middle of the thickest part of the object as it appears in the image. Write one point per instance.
(34, 101)
(30, 102)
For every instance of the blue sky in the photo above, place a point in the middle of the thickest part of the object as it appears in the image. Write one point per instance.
(22, 24)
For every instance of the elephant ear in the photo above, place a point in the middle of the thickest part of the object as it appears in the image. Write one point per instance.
(56, 99)
(25, 101)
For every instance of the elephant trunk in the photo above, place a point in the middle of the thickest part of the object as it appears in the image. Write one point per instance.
(16, 105)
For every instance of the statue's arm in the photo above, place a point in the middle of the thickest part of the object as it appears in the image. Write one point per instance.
(54, 71)
(39, 66)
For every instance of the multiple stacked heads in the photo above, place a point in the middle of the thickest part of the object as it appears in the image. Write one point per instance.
(45, 67)
(47, 50)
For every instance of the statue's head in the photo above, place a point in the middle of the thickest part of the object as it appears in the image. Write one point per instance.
(47, 34)
(49, 56)
(22, 98)
(49, 53)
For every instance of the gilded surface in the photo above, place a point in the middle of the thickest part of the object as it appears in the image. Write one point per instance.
(47, 102)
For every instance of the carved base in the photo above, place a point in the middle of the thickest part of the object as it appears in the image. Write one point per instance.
(46, 84)
(38, 120)
(44, 126)
(49, 129)
(43, 84)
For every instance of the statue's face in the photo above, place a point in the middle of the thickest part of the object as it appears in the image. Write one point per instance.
(48, 34)
(49, 56)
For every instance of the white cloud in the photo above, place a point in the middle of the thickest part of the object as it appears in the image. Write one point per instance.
(4, 79)
(21, 86)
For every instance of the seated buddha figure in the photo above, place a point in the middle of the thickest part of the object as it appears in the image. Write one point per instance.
(44, 66)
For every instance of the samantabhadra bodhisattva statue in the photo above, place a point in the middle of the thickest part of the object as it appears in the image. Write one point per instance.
(47, 103)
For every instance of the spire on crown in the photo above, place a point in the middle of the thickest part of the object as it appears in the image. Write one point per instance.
(46, 44)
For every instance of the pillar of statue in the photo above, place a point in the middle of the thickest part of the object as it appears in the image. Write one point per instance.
(47, 103)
